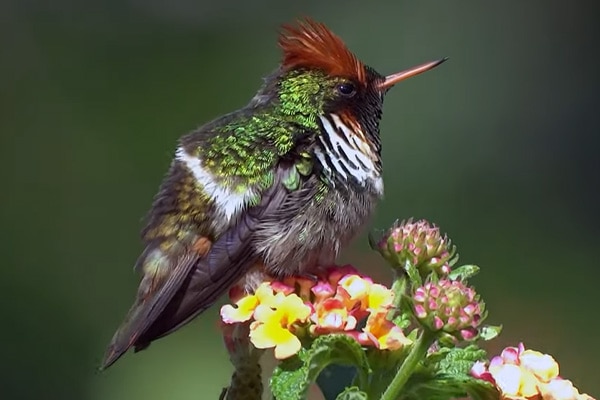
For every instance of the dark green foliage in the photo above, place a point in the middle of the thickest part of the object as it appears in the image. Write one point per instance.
(445, 374)
(293, 376)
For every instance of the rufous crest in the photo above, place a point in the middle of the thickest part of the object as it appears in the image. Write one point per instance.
(311, 44)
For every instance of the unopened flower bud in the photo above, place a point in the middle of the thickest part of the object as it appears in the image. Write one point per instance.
(449, 306)
(419, 243)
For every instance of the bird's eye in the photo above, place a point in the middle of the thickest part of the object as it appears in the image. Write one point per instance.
(347, 89)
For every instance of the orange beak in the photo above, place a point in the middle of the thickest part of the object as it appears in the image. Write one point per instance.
(391, 80)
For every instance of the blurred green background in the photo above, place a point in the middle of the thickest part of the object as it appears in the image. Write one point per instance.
(499, 146)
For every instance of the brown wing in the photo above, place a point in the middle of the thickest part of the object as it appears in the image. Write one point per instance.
(230, 257)
(173, 248)
(167, 300)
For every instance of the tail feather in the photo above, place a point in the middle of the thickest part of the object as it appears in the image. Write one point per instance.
(126, 336)
(162, 280)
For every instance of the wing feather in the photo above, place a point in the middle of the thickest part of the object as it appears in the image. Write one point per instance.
(230, 257)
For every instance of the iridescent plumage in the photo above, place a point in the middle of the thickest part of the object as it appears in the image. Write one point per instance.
(278, 187)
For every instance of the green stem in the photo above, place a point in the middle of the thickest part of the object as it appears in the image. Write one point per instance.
(399, 289)
(417, 353)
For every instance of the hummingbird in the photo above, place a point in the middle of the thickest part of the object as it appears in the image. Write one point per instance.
(276, 188)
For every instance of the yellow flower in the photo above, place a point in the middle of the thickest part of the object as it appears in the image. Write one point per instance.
(243, 310)
(273, 322)
(519, 372)
(543, 366)
(372, 296)
(337, 302)
(562, 389)
(272, 334)
(285, 309)
(245, 306)
(514, 382)
(264, 293)
(385, 333)
(356, 286)
(379, 297)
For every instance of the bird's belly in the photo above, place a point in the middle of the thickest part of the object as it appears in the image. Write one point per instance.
(313, 237)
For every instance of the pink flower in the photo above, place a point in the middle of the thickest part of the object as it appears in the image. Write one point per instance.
(527, 374)
(330, 315)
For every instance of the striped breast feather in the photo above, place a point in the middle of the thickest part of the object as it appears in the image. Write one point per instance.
(344, 153)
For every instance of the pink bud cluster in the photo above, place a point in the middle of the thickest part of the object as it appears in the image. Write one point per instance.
(419, 243)
(449, 306)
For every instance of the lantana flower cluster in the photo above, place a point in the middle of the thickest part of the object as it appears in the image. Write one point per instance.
(340, 300)
(527, 374)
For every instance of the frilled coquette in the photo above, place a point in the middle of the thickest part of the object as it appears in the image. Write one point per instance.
(277, 187)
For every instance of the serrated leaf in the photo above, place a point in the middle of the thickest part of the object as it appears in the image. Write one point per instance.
(447, 375)
(489, 332)
(443, 387)
(413, 273)
(463, 272)
(352, 393)
(289, 379)
(437, 356)
(292, 378)
(458, 362)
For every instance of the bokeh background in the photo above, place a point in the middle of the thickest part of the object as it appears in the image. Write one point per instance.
(499, 146)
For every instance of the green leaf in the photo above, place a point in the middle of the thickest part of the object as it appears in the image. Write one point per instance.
(440, 387)
(403, 320)
(446, 374)
(291, 379)
(413, 274)
(436, 357)
(460, 361)
(352, 393)
(489, 332)
(463, 272)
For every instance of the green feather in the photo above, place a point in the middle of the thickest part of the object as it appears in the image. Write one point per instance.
(244, 151)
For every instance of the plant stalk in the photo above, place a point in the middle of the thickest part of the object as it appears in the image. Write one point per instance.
(417, 353)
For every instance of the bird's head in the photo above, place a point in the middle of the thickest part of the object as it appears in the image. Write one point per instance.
(323, 85)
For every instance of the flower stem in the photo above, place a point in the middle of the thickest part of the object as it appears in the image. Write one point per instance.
(417, 353)
(399, 289)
